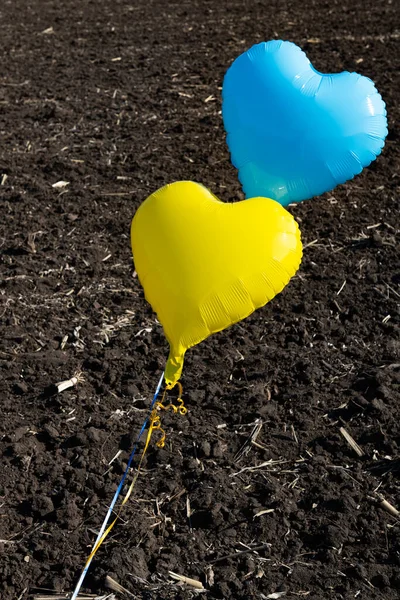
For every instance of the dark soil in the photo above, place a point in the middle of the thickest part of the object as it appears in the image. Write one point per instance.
(118, 98)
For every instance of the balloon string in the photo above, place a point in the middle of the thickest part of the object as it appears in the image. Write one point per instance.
(155, 423)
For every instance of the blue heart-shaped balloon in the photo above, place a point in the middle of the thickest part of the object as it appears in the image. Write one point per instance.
(293, 132)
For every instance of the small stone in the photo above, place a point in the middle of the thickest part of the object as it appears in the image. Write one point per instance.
(20, 433)
(51, 431)
(384, 392)
(218, 450)
(378, 404)
(42, 505)
(94, 364)
(380, 581)
(132, 391)
(136, 561)
(377, 238)
(95, 435)
(80, 439)
(361, 401)
(269, 410)
(205, 449)
(20, 388)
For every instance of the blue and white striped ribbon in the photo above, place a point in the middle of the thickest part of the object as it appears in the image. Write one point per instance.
(117, 493)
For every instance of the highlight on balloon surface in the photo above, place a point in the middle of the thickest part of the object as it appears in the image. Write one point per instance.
(293, 132)
(205, 264)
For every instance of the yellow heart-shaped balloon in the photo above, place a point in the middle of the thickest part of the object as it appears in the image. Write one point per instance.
(205, 264)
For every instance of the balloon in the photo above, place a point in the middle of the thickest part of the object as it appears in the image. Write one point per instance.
(205, 264)
(293, 132)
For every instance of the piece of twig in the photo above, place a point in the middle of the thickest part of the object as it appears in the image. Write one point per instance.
(264, 512)
(244, 449)
(294, 434)
(81, 597)
(351, 442)
(48, 31)
(267, 463)
(64, 341)
(209, 576)
(175, 496)
(310, 244)
(115, 457)
(64, 597)
(258, 445)
(389, 507)
(60, 184)
(117, 587)
(392, 290)
(192, 582)
(235, 554)
(68, 383)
